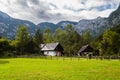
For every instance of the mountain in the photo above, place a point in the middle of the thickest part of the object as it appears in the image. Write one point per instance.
(96, 26)
(114, 17)
(8, 25)
(46, 25)
(99, 25)
(63, 24)
(53, 26)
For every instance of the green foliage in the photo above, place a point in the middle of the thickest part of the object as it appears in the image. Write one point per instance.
(31, 46)
(14, 44)
(108, 43)
(60, 36)
(87, 37)
(22, 34)
(4, 46)
(38, 39)
(47, 36)
(22, 37)
(23, 43)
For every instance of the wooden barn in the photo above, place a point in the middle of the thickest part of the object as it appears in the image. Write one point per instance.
(86, 50)
(52, 49)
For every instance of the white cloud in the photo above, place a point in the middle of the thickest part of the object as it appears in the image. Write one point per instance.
(57, 10)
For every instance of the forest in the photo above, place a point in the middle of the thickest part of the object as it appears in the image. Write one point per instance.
(25, 44)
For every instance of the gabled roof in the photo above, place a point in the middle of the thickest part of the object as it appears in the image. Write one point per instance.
(86, 48)
(49, 46)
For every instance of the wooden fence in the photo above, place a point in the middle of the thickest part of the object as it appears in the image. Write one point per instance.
(71, 58)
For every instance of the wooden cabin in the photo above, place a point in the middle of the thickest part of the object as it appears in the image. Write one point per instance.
(85, 50)
(88, 50)
(52, 49)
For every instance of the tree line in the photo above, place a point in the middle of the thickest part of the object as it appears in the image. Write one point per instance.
(25, 44)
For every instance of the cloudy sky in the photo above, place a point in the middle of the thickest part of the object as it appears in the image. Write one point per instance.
(57, 10)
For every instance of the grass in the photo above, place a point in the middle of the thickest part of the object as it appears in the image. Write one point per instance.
(44, 69)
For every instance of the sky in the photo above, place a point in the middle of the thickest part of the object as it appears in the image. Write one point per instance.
(38, 11)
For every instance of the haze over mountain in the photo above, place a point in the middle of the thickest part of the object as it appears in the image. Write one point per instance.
(8, 25)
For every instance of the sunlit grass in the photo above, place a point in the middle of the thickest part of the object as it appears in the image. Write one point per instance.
(44, 69)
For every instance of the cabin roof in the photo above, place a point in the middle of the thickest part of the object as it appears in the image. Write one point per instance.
(49, 46)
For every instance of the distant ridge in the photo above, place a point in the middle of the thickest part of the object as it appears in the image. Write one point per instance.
(8, 25)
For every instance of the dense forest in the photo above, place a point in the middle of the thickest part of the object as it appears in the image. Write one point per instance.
(24, 44)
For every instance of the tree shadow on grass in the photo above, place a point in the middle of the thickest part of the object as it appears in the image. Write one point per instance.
(3, 61)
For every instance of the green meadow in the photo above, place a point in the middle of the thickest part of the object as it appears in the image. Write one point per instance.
(45, 69)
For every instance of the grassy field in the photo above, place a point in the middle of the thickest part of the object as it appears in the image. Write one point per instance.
(43, 69)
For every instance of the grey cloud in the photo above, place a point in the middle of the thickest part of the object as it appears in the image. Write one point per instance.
(83, 2)
(59, 17)
(53, 5)
(22, 3)
(74, 10)
(50, 17)
(40, 10)
(36, 2)
(43, 14)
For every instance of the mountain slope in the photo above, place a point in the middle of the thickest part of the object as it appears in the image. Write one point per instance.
(96, 26)
(63, 24)
(46, 25)
(114, 18)
(8, 25)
